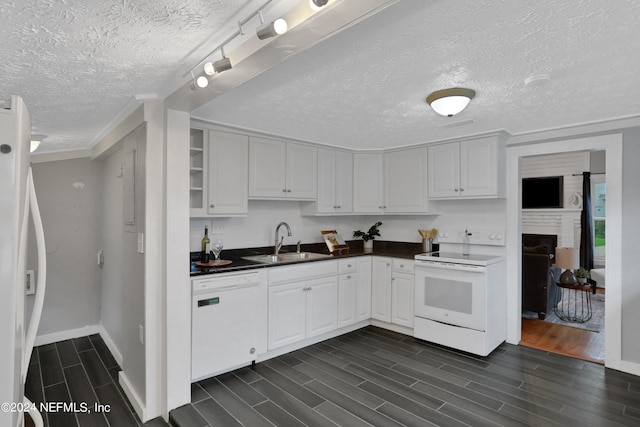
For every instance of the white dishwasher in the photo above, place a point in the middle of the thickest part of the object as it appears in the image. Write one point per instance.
(225, 322)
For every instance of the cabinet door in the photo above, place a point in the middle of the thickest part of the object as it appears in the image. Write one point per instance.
(322, 305)
(402, 299)
(405, 175)
(267, 163)
(381, 289)
(327, 177)
(301, 171)
(287, 314)
(367, 183)
(444, 170)
(344, 182)
(347, 299)
(478, 167)
(228, 173)
(363, 297)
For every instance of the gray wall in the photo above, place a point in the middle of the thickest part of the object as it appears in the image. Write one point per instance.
(630, 246)
(69, 199)
(122, 297)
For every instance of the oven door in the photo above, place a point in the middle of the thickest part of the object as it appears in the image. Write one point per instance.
(451, 293)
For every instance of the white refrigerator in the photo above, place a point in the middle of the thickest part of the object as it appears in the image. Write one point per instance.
(17, 200)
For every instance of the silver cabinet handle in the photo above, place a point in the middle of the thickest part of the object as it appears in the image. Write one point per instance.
(349, 265)
(462, 189)
(289, 191)
(212, 206)
(456, 190)
(349, 276)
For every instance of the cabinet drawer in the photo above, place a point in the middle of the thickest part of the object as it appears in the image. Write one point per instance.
(403, 265)
(347, 266)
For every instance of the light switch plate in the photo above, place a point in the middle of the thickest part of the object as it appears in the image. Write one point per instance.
(140, 243)
(479, 236)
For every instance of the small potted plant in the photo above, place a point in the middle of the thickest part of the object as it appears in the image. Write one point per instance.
(582, 274)
(368, 237)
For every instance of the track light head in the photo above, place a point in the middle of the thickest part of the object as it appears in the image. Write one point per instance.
(221, 65)
(275, 28)
(317, 4)
(202, 82)
(208, 69)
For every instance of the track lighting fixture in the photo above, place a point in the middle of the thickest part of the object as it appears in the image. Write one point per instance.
(275, 28)
(221, 65)
(317, 4)
(208, 69)
(202, 82)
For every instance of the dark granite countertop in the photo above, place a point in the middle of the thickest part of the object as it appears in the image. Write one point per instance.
(405, 250)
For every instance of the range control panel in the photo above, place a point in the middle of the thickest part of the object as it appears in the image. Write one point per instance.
(476, 236)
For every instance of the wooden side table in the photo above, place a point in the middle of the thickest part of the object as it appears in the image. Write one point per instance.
(575, 305)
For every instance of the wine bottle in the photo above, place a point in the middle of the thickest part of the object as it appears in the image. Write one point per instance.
(204, 253)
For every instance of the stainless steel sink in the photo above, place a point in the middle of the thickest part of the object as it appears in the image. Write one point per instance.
(286, 257)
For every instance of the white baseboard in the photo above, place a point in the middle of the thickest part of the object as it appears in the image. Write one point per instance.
(629, 367)
(66, 335)
(110, 344)
(133, 397)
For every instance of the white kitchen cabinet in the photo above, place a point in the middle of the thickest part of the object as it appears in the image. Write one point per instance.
(368, 183)
(287, 314)
(282, 170)
(395, 182)
(303, 302)
(322, 306)
(354, 290)
(218, 173)
(381, 289)
(402, 288)
(335, 183)
(228, 170)
(392, 297)
(405, 181)
(467, 169)
(197, 175)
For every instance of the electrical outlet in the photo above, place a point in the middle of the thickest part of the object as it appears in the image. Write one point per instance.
(217, 229)
(141, 333)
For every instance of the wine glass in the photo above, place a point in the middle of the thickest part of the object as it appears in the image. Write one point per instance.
(216, 248)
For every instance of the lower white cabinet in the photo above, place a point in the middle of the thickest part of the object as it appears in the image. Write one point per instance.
(392, 290)
(354, 290)
(303, 307)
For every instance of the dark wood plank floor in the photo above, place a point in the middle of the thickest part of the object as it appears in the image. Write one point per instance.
(80, 371)
(373, 377)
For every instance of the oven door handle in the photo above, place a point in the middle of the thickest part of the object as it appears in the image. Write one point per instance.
(450, 266)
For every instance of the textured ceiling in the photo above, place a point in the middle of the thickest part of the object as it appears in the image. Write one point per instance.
(366, 86)
(79, 63)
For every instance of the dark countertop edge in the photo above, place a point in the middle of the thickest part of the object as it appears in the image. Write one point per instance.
(405, 250)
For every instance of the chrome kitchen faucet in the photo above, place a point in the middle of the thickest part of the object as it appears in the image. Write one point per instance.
(278, 244)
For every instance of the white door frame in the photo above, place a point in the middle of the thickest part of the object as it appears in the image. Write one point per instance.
(612, 145)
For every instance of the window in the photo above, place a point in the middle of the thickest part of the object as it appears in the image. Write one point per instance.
(598, 199)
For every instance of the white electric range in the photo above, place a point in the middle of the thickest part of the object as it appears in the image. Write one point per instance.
(460, 300)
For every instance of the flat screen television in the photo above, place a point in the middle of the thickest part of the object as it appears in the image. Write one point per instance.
(541, 193)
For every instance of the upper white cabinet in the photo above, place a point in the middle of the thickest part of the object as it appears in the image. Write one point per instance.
(335, 183)
(405, 181)
(395, 182)
(197, 175)
(218, 173)
(228, 171)
(467, 169)
(368, 183)
(282, 170)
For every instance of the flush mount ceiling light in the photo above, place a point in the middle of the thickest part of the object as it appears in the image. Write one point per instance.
(449, 102)
(35, 142)
(275, 28)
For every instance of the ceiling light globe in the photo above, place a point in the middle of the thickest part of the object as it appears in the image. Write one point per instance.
(34, 145)
(317, 4)
(280, 26)
(208, 69)
(449, 102)
(202, 82)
